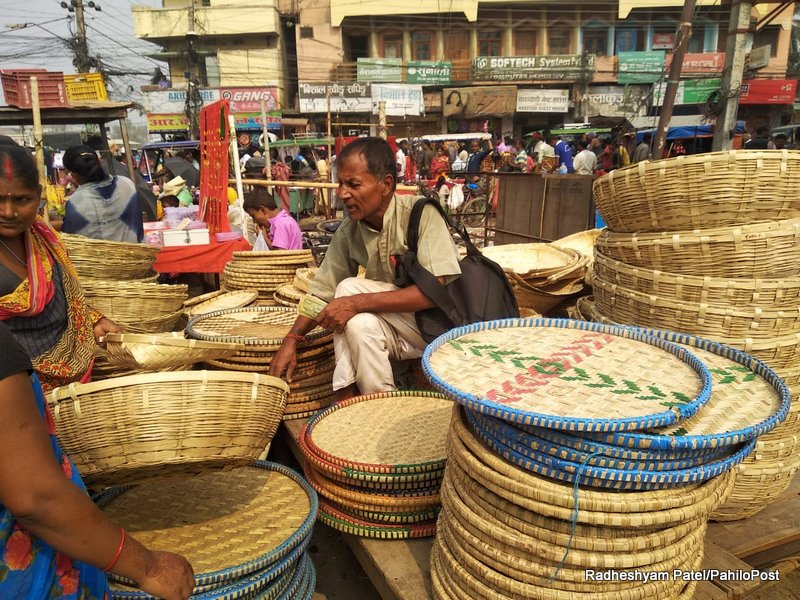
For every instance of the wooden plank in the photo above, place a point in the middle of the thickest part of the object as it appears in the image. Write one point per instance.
(706, 590)
(715, 558)
(777, 525)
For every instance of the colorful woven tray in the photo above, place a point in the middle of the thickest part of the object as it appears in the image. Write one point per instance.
(217, 520)
(335, 518)
(617, 479)
(568, 375)
(407, 432)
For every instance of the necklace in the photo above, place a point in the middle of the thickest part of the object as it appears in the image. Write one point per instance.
(12, 253)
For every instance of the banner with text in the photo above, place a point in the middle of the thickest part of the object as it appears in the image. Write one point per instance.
(401, 100)
(250, 121)
(428, 72)
(167, 123)
(640, 67)
(248, 99)
(691, 91)
(555, 67)
(706, 63)
(546, 101)
(615, 101)
(380, 69)
(344, 97)
(479, 101)
(169, 101)
(768, 91)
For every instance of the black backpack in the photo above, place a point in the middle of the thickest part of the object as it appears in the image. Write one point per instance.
(481, 293)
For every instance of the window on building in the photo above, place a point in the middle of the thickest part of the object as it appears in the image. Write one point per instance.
(422, 45)
(697, 41)
(629, 40)
(306, 32)
(559, 41)
(525, 42)
(356, 46)
(595, 40)
(490, 43)
(456, 45)
(768, 36)
(392, 45)
(205, 3)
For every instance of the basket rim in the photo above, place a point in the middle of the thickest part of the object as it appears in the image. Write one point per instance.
(527, 417)
(66, 393)
(341, 521)
(782, 228)
(155, 339)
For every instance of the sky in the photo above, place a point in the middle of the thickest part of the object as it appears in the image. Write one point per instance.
(109, 32)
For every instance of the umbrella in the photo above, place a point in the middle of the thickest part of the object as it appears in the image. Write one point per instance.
(180, 167)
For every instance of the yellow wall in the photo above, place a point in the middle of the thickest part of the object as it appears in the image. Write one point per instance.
(225, 18)
(318, 54)
(340, 9)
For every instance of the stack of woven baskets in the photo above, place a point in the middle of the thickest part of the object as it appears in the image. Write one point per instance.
(543, 275)
(708, 245)
(100, 259)
(264, 272)
(551, 407)
(137, 307)
(290, 294)
(385, 484)
(260, 330)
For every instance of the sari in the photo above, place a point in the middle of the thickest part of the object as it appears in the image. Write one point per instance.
(439, 166)
(31, 568)
(69, 357)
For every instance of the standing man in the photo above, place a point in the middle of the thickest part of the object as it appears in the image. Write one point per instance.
(642, 151)
(546, 157)
(476, 156)
(586, 161)
(373, 319)
(400, 160)
(564, 154)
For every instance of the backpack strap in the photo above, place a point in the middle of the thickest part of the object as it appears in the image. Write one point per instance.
(416, 216)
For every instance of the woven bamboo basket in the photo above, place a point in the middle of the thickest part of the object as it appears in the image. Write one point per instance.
(764, 250)
(132, 302)
(145, 353)
(758, 484)
(130, 429)
(222, 301)
(195, 300)
(100, 259)
(783, 292)
(157, 325)
(304, 277)
(707, 320)
(582, 241)
(532, 261)
(718, 189)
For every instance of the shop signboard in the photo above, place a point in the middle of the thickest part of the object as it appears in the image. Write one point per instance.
(380, 69)
(167, 123)
(704, 63)
(248, 99)
(640, 67)
(348, 97)
(615, 101)
(428, 72)
(169, 101)
(248, 121)
(768, 91)
(400, 100)
(691, 91)
(663, 41)
(479, 101)
(550, 67)
(544, 101)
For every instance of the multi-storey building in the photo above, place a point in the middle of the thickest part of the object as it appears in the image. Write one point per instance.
(468, 64)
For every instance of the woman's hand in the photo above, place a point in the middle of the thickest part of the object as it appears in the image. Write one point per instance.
(168, 576)
(104, 326)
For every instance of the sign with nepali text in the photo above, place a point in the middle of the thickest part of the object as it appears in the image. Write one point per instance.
(428, 72)
(349, 97)
(167, 123)
(640, 67)
(691, 91)
(615, 101)
(554, 67)
(400, 100)
(546, 101)
(380, 69)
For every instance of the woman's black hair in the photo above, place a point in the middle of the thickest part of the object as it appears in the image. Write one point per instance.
(16, 162)
(377, 153)
(83, 161)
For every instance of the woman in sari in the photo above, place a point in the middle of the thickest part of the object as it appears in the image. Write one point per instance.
(54, 542)
(439, 164)
(41, 300)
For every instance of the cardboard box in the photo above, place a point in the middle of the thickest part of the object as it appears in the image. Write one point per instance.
(186, 237)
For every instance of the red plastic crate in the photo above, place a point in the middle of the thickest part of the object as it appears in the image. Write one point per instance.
(17, 88)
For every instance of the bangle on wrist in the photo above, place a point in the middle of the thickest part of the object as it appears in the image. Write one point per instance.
(119, 551)
(296, 337)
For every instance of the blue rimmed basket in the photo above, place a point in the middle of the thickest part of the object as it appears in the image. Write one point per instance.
(492, 368)
(236, 500)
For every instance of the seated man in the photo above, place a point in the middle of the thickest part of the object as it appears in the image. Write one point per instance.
(373, 320)
(280, 230)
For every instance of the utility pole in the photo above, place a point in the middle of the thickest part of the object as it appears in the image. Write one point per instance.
(82, 62)
(738, 29)
(674, 79)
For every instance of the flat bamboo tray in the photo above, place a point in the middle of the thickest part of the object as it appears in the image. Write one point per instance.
(221, 302)
(531, 261)
(764, 250)
(717, 189)
(342, 521)
(304, 277)
(130, 429)
(160, 352)
(568, 375)
(764, 293)
(224, 536)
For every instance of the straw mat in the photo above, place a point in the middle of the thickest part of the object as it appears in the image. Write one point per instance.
(530, 260)
(768, 250)
(195, 300)
(714, 189)
(128, 429)
(392, 518)
(161, 352)
(304, 277)
(216, 520)
(311, 405)
(261, 326)
(275, 256)
(222, 301)
(398, 501)
(289, 291)
(341, 521)
(406, 432)
(299, 415)
(783, 292)
(568, 375)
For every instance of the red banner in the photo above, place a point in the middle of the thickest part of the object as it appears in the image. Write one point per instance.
(705, 63)
(768, 91)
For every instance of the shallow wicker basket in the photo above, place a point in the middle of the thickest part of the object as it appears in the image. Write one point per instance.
(718, 189)
(764, 250)
(100, 259)
(161, 352)
(783, 292)
(532, 261)
(130, 429)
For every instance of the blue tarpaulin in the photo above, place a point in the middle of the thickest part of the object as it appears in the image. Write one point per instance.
(687, 132)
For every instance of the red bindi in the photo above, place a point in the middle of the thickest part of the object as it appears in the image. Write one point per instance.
(8, 169)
